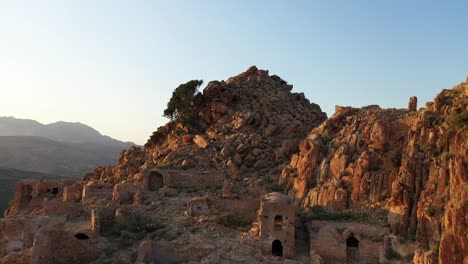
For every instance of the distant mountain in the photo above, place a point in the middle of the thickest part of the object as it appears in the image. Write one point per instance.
(62, 148)
(8, 179)
(59, 131)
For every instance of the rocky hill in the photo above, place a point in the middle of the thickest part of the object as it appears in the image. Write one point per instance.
(364, 186)
(249, 125)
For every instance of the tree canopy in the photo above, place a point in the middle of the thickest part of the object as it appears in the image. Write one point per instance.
(182, 100)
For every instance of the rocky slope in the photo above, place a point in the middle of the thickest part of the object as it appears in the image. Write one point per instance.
(413, 163)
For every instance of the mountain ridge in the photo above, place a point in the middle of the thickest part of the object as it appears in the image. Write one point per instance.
(62, 131)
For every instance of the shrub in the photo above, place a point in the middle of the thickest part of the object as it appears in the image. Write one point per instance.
(430, 211)
(154, 138)
(183, 99)
(234, 220)
(394, 156)
(325, 139)
(368, 216)
(458, 119)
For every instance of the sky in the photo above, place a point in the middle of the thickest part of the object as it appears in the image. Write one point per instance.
(113, 64)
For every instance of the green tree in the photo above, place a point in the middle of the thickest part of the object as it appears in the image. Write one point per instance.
(182, 100)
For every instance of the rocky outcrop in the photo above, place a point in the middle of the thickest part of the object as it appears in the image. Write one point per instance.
(412, 163)
(413, 104)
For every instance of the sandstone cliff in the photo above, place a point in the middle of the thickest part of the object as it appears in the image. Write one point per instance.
(412, 163)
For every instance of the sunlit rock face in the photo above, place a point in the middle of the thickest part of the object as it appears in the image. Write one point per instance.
(412, 163)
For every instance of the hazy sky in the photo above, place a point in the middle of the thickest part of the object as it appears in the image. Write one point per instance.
(114, 64)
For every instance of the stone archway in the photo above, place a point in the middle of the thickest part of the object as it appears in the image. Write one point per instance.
(155, 181)
(352, 249)
(277, 248)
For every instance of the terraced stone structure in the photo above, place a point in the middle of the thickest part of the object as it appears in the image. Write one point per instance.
(278, 224)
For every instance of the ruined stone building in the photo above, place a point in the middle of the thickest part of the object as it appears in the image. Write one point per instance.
(277, 217)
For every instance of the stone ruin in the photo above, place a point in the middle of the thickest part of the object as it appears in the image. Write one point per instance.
(277, 217)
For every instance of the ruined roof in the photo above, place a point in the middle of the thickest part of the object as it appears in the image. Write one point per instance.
(276, 197)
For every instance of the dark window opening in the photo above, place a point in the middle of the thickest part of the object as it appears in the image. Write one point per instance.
(81, 236)
(277, 249)
(48, 190)
(199, 207)
(266, 217)
(352, 241)
(55, 190)
(278, 222)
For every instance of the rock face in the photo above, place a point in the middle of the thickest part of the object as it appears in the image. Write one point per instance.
(412, 163)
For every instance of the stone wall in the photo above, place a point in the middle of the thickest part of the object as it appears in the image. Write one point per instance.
(328, 240)
(89, 193)
(61, 208)
(243, 207)
(193, 179)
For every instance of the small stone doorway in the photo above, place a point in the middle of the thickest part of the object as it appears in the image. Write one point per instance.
(352, 249)
(155, 181)
(277, 248)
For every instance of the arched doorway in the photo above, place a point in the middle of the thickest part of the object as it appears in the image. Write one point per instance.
(352, 249)
(81, 236)
(278, 222)
(155, 181)
(277, 248)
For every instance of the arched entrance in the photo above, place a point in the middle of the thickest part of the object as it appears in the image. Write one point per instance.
(277, 248)
(352, 249)
(81, 236)
(155, 181)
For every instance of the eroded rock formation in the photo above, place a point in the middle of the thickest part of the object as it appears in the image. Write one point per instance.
(412, 163)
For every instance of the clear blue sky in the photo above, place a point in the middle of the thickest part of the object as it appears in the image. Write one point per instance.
(113, 64)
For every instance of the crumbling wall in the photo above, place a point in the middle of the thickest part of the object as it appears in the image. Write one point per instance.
(193, 179)
(89, 194)
(60, 246)
(243, 207)
(61, 208)
(29, 194)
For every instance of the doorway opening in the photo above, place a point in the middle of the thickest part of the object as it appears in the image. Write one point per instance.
(155, 181)
(277, 248)
(352, 249)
